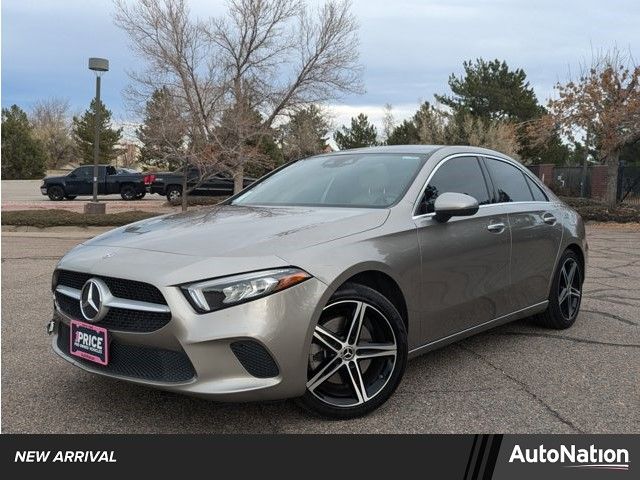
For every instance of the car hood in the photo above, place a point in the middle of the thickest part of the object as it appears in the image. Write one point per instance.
(227, 230)
(54, 177)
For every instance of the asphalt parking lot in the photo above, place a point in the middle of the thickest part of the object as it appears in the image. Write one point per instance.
(516, 378)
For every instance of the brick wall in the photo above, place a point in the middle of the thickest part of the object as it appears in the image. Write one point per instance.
(544, 171)
(598, 181)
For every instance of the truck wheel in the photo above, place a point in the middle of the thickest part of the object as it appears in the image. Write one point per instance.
(55, 193)
(140, 195)
(128, 192)
(70, 197)
(174, 194)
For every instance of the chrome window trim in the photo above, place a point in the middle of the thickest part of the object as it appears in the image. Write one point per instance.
(416, 203)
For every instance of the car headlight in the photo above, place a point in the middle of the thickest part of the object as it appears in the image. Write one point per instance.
(210, 295)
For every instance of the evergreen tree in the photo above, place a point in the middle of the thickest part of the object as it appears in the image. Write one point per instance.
(22, 154)
(162, 132)
(404, 134)
(491, 91)
(84, 134)
(361, 134)
(305, 134)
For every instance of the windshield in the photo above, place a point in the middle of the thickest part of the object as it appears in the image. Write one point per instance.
(347, 180)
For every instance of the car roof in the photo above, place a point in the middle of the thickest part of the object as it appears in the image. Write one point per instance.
(421, 149)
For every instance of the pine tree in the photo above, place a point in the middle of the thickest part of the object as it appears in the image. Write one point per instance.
(404, 134)
(305, 134)
(84, 134)
(162, 132)
(22, 154)
(361, 134)
(489, 89)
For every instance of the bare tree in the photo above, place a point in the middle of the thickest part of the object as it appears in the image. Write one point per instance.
(238, 74)
(51, 125)
(388, 121)
(128, 154)
(434, 125)
(602, 107)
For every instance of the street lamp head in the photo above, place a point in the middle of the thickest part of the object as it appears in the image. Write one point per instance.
(99, 64)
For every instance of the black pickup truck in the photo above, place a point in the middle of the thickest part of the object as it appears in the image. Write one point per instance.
(169, 184)
(130, 185)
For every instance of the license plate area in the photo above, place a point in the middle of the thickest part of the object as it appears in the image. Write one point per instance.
(89, 342)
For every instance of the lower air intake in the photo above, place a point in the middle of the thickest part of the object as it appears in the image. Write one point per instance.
(255, 359)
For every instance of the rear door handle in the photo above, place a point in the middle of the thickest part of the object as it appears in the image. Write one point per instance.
(548, 218)
(496, 227)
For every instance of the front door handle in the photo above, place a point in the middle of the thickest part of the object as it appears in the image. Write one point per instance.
(496, 227)
(548, 218)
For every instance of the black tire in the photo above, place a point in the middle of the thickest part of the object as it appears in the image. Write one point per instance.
(55, 193)
(379, 377)
(140, 195)
(70, 197)
(174, 194)
(561, 313)
(128, 192)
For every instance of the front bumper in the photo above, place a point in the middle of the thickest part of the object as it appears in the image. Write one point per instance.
(43, 190)
(281, 323)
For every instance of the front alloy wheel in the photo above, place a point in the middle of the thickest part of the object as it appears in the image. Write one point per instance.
(357, 355)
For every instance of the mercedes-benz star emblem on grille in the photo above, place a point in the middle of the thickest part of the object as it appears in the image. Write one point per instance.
(94, 293)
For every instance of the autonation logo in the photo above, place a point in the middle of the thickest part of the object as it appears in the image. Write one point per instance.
(573, 457)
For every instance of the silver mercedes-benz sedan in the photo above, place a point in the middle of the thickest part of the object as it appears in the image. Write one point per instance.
(323, 278)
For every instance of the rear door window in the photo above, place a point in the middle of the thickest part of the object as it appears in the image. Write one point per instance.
(538, 194)
(509, 182)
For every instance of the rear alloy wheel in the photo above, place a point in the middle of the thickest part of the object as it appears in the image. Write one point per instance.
(358, 354)
(55, 193)
(140, 195)
(566, 294)
(174, 194)
(128, 192)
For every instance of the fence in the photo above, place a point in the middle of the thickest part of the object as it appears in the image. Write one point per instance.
(629, 185)
(567, 181)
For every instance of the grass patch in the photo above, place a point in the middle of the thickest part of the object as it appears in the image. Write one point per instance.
(593, 210)
(65, 218)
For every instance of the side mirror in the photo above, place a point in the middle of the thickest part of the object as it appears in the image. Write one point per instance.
(451, 204)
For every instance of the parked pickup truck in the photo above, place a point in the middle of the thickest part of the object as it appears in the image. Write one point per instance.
(169, 184)
(130, 185)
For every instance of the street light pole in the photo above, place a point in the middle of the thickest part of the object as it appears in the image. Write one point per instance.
(96, 142)
(98, 65)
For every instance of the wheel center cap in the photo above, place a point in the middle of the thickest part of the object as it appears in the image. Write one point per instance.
(348, 353)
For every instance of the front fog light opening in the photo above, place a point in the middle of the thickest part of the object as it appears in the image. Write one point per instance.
(219, 293)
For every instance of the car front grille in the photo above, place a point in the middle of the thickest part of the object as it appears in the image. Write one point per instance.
(134, 361)
(122, 288)
(120, 319)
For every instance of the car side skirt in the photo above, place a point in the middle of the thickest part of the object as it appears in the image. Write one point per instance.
(517, 315)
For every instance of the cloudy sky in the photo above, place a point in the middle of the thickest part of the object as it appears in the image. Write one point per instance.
(408, 47)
